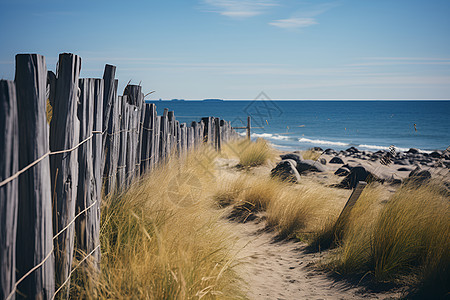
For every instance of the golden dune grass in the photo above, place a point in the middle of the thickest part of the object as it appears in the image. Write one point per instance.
(311, 154)
(407, 239)
(250, 154)
(162, 238)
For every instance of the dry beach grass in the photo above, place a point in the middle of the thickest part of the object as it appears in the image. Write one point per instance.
(166, 237)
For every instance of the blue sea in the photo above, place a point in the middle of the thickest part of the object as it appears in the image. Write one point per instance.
(299, 125)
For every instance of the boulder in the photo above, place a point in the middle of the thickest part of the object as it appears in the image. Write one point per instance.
(308, 165)
(286, 171)
(404, 169)
(358, 173)
(436, 154)
(402, 162)
(419, 175)
(352, 150)
(322, 160)
(330, 151)
(294, 156)
(412, 151)
(318, 149)
(336, 160)
(342, 171)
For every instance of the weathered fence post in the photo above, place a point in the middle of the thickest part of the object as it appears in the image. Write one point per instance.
(342, 219)
(9, 194)
(64, 134)
(248, 127)
(157, 143)
(34, 231)
(217, 135)
(145, 138)
(154, 134)
(123, 136)
(164, 128)
(109, 91)
(87, 224)
(97, 161)
(109, 127)
(134, 100)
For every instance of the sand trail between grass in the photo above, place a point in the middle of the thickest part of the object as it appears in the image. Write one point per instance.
(284, 270)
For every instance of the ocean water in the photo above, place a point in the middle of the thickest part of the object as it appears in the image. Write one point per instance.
(299, 125)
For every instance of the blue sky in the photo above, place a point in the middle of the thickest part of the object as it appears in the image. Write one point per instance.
(344, 49)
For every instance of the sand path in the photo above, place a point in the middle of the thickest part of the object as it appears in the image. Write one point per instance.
(283, 270)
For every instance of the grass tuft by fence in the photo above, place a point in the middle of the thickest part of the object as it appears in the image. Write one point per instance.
(51, 182)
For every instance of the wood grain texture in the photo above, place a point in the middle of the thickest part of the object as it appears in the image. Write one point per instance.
(34, 232)
(9, 194)
(64, 134)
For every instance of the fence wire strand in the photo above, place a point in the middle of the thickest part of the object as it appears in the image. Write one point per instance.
(49, 255)
(18, 173)
(12, 177)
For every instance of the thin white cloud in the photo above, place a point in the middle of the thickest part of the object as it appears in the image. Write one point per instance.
(408, 58)
(305, 16)
(239, 9)
(294, 23)
(388, 61)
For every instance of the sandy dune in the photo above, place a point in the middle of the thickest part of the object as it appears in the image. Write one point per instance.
(284, 270)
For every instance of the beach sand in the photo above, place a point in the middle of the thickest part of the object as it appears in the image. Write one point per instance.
(285, 269)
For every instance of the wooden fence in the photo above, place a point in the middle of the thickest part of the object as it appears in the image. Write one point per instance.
(53, 176)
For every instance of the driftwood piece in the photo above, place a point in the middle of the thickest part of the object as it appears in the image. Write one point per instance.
(9, 194)
(34, 231)
(64, 134)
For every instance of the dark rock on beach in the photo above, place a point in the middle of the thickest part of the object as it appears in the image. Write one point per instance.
(342, 171)
(352, 150)
(419, 175)
(336, 160)
(294, 156)
(286, 171)
(358, 173)
(322, 160)
(436, 154)
(308, 165)
(330, 151)
(413, 151)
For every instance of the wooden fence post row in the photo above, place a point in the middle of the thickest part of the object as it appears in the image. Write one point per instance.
(52, 177)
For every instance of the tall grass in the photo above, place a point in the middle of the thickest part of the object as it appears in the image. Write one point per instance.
(311, 154)
(162, 239)
(250, 153)
(302, 210)
(407, 239)
(292, 210)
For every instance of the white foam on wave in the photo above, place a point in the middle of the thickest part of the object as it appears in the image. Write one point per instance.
(266, 136)
(322, 142)
(280, 146)
(375, 147)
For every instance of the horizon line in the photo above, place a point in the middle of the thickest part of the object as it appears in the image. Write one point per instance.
(324, 99)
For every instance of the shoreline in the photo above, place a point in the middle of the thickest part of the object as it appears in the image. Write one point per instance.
(392, 168)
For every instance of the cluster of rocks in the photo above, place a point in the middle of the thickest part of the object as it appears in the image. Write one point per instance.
(413, 156)
(383, 166)
(293, 165)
